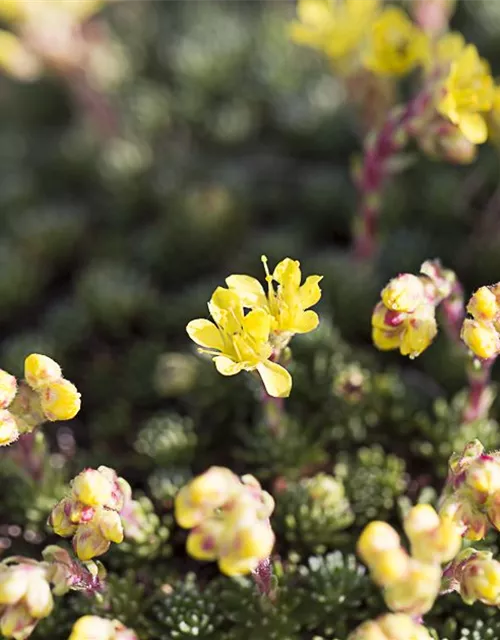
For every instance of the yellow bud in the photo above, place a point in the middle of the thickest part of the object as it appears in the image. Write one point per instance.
(203, 542)
(404, 293)
(388, 567)
(483, 304)
(481, 339)
(9, 431)
(39, 597)
(484, 476)
(8, 388)
(60, 400)
(391, 626)
(17, 622)
(376, 537)
(89, 542)
(110, 525)
(92, 488)
(60, 519)
(92, 628)
(416, 593)
(386, 340)
(40, 370)
(422, 518)
(13, 584)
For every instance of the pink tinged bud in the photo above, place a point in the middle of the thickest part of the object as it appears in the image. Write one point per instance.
(89, 542)
(403, 293)
(13, 584)
(110, 525)
(60, 519)
(9, 431)
(8, 388)
(494, 510)
(38, 598)
(16, 622)
(40, 370)
(483, 476)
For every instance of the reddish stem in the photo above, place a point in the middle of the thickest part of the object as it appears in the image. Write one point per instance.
(401, 123)
(478, 400)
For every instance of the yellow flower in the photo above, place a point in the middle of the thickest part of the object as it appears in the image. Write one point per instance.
(483, 304)
(416, 592)
(92, 488)
(375, 538)
(482, 339)
(9, 431)
(92, 628)
(433, 539)
(469, 93)
(391, 626)
(336, 27)
(40, 370)
(396, 46)
(8, 388)
(288, 305)
(60, 400)
(240, 342)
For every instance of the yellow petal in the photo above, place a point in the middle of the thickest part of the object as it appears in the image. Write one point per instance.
(257, 324)
(226, 366)
(205, 333)
(314, 12)
(305, 322)
(473, 126)
(287, 272)
(249, 290)
(16, 59)
(276, 379)
(309, 292)
(226, 309)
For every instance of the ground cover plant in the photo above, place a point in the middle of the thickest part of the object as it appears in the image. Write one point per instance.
(250, 310)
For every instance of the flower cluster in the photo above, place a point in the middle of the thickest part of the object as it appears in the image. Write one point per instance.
(45, 32)
(229, 518)
(480, 332)
(475, 575)
(391, 626)
(90, 514)
(405, 317)
(251, 328)
(411, 582)
(43, 395)
(96, 628)
(25, 596)
(472, 494)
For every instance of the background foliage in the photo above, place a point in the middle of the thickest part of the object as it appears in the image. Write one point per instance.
(229, 142)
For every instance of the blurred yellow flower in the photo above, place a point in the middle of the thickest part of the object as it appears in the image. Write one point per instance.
(396, 45)
(336, 27)
(391, 626)
(240, 342)
(469, 93)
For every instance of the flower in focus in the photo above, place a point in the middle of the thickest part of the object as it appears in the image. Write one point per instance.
(476, 576)
(468, 95)
(228, 518)
(239, 342)
(391, 626)
(25, 597)
(396, 45)
(336, 27)
(480, 332)
(91, 513)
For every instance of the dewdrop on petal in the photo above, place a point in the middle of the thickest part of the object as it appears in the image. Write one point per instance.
(9, 431)
(8, 388)
(60, 400)
(40, 370)
(92, 488)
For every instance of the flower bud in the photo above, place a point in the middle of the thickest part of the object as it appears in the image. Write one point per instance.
(92, 628)
(204, 540)
(110, 525)
(483, 304)
(420, 331)
(391, 626)
(40, 370)
(482, 339)
(92, 488)
(88, 542)
(38, 598)
(388, 567)
(479, 578)
(483, 476)
(385, 340)
(13, 584)
(416, 592)
(403, 293)
(9, 431)
(17, 622)
(8, 389)
(60, 400)
(376, 537)
(246, 548)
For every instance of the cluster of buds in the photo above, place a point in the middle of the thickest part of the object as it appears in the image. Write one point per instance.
(405, 317)
(228, 518)
(472, 493)
(475, 575)
(25, 596)
(410, 582)
(391, 626)
(480, 332)
(96, 628)
(91, 513)
(43, 395)
(252, 327)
